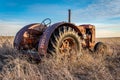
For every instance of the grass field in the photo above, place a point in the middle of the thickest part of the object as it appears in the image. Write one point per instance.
(14, 66)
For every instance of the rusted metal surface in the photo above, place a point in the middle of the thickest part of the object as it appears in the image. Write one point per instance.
(35, 34)
(36, 37)
(19, 35)
(23, 35)
(44, 39)
(88, 32)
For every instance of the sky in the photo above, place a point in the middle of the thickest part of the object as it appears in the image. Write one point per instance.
(104, 14)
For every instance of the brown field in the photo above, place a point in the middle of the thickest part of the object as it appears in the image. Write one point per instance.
(14, 66)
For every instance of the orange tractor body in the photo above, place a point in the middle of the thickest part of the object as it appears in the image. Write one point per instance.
(36, 37)
(62, 37)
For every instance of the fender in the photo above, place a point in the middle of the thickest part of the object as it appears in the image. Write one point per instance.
(19, 35)
(44, 39)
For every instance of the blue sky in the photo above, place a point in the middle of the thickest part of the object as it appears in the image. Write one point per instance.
(104, 14)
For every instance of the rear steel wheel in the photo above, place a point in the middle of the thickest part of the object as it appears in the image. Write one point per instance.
(65, 43)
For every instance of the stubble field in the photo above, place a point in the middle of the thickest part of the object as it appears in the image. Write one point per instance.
(89, 66)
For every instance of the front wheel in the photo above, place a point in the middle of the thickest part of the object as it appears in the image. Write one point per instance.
(101, 48)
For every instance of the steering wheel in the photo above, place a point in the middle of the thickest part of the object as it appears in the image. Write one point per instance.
(46, 21)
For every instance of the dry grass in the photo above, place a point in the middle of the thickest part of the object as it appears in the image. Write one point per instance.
(86, 67)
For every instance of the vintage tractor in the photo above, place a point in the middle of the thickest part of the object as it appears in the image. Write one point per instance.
(57, 39)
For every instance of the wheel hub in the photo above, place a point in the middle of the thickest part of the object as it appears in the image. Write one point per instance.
(67, 46)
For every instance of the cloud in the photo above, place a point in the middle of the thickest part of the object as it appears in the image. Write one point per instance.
(107, 30)
(99, 11)
(107, 33)
(10, 28)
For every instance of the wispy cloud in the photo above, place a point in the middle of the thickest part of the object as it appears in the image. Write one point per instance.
(99, 11)
(104, 14)
(10, 28)
(107, 33)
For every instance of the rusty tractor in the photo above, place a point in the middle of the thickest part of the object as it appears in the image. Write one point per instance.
(60, 38)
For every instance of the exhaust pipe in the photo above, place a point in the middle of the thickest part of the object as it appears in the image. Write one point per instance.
(69, 15)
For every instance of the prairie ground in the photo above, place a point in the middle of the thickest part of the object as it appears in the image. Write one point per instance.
(89, 66)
